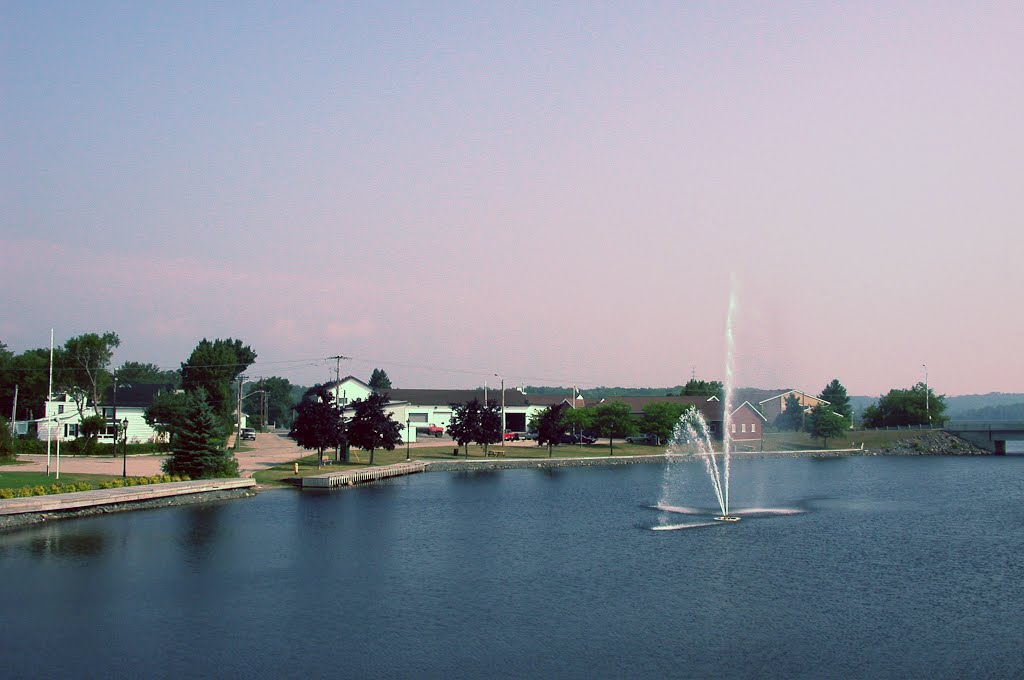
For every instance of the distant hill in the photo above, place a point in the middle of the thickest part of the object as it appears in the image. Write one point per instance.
(603, 392)
(962, 405)
(994, 405)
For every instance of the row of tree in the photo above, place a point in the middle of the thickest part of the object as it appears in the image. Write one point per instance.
(319, 424)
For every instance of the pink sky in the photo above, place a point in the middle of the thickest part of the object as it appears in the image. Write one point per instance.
(557, 195)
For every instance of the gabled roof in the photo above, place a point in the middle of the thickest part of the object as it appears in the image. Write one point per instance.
(752, 408)
(347, 379)
(135, 395)
(425, 397)
(711, 410)
(784, 394)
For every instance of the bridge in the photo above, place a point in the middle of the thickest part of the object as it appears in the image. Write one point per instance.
(990, 435)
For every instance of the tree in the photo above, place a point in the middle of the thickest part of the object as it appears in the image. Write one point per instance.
(550, 425)
(464, 425)
(661, 418)
(200, 451)
(29, 372)
(213, 366)
(703, 388)
(614, 419)
(170, 411)
(83, 368)
(371, 426)
(826, 423)
(490, 425)
(318, 422)
(835, 394)
(578, 420)
(792, 416)
(379, 380)
(280, 403)
(7, 453)
(917, 406)
(90, 428)
(136, 373)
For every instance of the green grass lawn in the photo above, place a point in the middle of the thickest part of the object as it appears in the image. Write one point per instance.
(775, 441)
(13, 479)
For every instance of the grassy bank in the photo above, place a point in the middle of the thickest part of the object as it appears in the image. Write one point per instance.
(777, 441)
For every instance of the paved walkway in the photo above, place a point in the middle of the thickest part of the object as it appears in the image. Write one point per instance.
(269, 449)
(77, 500)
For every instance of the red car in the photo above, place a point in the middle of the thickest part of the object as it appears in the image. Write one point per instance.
(431, 430)
(511, 436)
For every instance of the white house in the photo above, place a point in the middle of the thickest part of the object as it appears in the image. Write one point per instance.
(63, 421)
(419, 408)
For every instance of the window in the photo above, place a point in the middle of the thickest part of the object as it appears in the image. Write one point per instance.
(734, 428)
(60, 408)
(417, 417)
(743, 427)
(753, 427)
(70, 430)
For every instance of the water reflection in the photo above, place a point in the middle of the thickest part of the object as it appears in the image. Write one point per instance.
(56, 543)
(201, 528)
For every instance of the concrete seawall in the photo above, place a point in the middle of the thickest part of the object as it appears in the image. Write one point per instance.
(589, 461)
(15, 512)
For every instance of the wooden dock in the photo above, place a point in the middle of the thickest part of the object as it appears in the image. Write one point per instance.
(330, 480)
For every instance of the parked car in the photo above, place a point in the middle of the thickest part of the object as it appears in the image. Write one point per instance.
(528, 436)
(643, 439)
(248, 433)
(577, 439)
(431, 430)
(511, 436)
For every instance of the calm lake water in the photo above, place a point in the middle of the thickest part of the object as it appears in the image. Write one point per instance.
(845, 568)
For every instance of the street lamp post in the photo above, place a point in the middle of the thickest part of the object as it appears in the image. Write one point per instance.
(124, 449)
(502, 409)
(927, 408)
(408, 421)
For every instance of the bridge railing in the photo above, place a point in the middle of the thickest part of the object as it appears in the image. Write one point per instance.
(901, 427)
(983, 425)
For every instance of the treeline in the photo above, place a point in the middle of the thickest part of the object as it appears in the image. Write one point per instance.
(693, 387)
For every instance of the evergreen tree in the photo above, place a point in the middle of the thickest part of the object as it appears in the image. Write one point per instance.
(826, 423)
(379, 380)
(792, 416)
(835, 394)
(371, 427)
(200, 452)
(213, 366)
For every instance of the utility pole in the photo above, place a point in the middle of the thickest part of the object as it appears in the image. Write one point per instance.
(238, 430)
(337, 385)
(14, 410)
